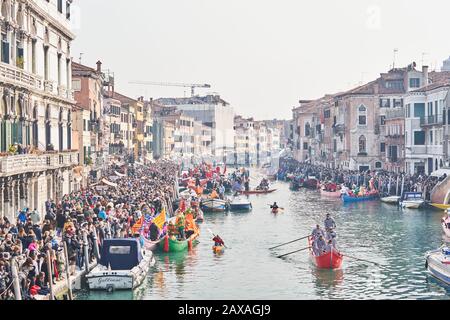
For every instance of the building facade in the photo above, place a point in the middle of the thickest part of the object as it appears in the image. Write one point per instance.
(37, 159)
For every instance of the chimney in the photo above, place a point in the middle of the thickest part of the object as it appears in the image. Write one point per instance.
(425, 75)
(99, 66)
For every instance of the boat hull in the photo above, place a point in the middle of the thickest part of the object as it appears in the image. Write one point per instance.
(391, 200)
(100, 278)
(258, 192)
(331, 260)
(440, 206)
(218, 250)
(214, 205)
(348, 199)
(411, 204)
(241, 207)
(330, 194)
(178, 246)
(439, 266)
(151, 245)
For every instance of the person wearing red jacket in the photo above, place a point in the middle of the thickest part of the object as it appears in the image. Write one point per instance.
(218, 242)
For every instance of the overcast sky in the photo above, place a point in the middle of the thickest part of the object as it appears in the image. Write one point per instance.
(260, 55)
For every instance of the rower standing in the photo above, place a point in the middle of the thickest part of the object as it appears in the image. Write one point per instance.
(329, 223)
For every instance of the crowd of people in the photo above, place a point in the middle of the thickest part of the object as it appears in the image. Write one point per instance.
(31, 241)
(387, 183)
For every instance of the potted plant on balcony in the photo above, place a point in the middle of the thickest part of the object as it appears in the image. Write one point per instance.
(12, 150)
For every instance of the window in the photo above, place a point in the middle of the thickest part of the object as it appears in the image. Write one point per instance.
(431, 137)
(419, 110)
(327, 114)
(394, 84)
(362, 144)
(362, 116)
(385, 103)
(60, 6)
(68, 10)
(382, 120)
(414, 83)
(383, 147)
(5, 48)
(307, 130)
(33, 56)
(419, 138)
(397, 103)
(378, 165)
(430, 108)
(305, 145)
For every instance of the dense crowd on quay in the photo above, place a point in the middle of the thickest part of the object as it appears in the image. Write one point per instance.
(93, 214)
(387, 183)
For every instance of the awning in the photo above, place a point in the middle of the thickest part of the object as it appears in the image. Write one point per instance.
(119, 174)
(109, 183)
(439, 173)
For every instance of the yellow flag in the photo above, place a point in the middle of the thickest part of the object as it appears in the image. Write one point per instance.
(160, 219)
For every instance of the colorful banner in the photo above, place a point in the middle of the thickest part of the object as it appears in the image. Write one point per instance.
(160, 219)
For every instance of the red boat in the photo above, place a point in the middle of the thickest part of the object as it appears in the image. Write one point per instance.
(330, 260)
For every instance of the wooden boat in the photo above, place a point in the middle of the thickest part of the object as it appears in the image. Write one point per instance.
(151, 245)
(412, 200)
(391, 199)
(440, 206)
(123, 266)
(331, 194)
(311, 184)
(214, 205)
(348, 199)
(438, 264)
(258, 192)
(218, 249)
(330, 260)
(174, 245)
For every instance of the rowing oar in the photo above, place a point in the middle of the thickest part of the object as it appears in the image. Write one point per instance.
(288, 243)
(215, 235)
(355, 258)
(287, 254)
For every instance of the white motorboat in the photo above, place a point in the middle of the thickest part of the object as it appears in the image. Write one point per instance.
(123, 266)
(412, 200)
(240, 204)
(391, 199)
(438, 264)
(446, 226)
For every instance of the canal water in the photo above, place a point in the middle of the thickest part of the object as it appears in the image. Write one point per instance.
(395, 239)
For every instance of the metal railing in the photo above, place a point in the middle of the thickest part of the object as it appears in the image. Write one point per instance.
(436, 119)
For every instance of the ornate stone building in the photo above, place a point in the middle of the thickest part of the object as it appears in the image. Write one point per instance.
(36, 159)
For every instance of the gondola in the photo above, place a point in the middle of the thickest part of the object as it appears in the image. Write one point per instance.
(257, 192)
(329, 260)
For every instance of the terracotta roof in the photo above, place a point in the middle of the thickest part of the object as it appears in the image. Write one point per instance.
(80, 67)
(122, 98)
(433, 86)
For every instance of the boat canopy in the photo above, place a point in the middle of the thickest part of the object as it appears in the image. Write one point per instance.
(439, 173)
(412, 196)
(121, 254)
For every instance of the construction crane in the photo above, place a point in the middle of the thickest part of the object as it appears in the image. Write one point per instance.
(167, 84)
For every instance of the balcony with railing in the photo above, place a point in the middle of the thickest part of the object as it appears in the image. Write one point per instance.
(20, 77)
(433, 120)
(397, 113)
(18, 164)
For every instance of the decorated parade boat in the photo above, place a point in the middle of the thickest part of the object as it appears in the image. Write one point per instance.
(123, 265)
(172, 244)
(329, 260)
(438, 264)
(353, 198)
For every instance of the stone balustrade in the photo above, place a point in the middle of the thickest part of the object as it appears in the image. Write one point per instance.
(20, 77)
(32, 162)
